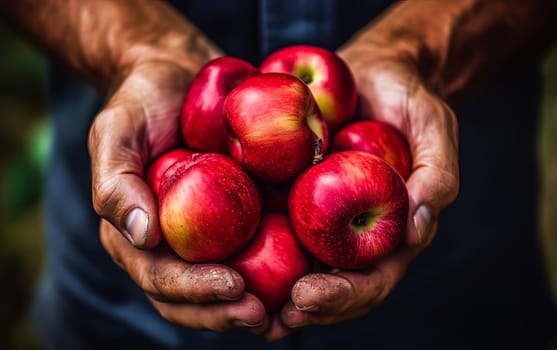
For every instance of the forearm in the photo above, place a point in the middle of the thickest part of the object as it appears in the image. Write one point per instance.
(459, 44)
(103, 39)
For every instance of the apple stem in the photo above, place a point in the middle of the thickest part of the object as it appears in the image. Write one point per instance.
(360, 219)
(318, 151)
(306, 77)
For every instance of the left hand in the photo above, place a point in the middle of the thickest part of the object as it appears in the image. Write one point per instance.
(391, 90)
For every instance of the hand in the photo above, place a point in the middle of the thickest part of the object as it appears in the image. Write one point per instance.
(199, 296)
(391, 90)
(139, 122)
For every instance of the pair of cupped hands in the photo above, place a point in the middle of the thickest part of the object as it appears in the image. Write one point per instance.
(141, 120)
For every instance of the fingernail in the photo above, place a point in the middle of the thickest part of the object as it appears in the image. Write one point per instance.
(226, 284)
(244, 324)
(306, 307)
(137, 223)
(422, 221)
(227, 298)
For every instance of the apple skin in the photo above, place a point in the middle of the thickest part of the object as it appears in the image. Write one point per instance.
(272, 262)
(157, 167)
(376, 137)
(202, 123)
(209, 208)
(327, 75)
(350, 210)
(273, 125)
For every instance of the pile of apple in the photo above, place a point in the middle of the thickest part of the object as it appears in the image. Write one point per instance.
(276, 171)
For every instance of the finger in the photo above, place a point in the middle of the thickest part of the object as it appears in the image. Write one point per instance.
(247, 313)
(119, 192)
(391, 91)
(167, 278)
(276, 329)
(434, 181)
(139, 122)
(321, 299)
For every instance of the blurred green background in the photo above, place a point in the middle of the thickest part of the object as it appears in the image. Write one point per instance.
(24, 146)
(24, 141)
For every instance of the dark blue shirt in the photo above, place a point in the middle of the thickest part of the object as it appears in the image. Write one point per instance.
(479, 285)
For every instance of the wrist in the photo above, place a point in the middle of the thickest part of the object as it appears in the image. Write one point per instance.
(102, 40)
(189, 50)
(418, 34)
(457, 46)
(157, 33)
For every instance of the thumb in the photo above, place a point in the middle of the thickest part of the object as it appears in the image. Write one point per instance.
(434, 182)
(120, 194)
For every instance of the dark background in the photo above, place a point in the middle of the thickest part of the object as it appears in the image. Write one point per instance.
(24, 141)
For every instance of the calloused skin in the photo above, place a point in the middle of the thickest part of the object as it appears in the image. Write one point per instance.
(140, 121)
(144, 110)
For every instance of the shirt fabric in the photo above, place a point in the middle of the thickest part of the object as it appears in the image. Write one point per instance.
(479, 285)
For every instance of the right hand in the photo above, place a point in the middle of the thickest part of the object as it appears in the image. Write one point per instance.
(139, 122)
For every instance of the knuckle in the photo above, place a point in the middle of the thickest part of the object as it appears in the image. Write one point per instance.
(165, 284)
(105, 183)
(105, 196)
(153, 283)
(100, 126)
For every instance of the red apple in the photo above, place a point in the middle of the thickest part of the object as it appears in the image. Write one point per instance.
(349, 210)
(327, 75)
(209, 208)
(274, 125)
(272, 262)
(201, 121)
(379, 138)
(157, 167)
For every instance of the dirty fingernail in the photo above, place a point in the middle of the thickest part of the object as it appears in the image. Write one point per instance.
(422, 221)
(137, 223)
(306, 307)
(244, 324)
(227, 285)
